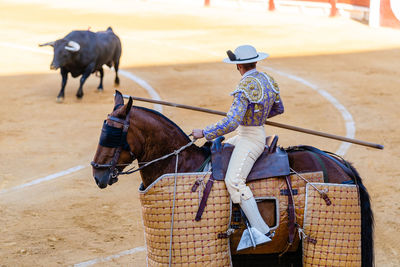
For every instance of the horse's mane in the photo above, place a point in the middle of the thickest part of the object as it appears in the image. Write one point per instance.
(164, 118)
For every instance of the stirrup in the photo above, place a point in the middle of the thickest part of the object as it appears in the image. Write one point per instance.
(251, 237)
(270, 234)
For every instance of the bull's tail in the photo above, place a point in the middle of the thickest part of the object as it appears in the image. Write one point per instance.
(367, 222)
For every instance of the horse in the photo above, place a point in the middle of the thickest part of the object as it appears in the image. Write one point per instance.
(137, 133)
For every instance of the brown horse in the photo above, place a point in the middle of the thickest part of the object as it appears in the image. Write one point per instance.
(143, 134)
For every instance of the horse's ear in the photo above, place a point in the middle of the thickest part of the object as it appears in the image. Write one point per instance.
(129, 106)
(118, 99)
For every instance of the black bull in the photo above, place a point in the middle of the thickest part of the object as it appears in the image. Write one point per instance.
(83, 53)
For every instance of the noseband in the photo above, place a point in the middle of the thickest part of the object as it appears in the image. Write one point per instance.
(114, 137)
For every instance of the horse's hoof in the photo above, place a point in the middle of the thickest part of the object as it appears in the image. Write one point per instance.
(79, 96)
(100, 90)
(116, 85)
(60, 99)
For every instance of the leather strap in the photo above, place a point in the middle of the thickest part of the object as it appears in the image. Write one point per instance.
(291, 211)
(203, 202)
(124, 132)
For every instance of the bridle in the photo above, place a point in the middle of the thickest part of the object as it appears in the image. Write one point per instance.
(114, 137)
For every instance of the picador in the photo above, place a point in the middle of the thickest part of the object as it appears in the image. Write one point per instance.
(255, 99)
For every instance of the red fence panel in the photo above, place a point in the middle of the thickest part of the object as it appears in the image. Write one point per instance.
(364, 3)
(390, 13)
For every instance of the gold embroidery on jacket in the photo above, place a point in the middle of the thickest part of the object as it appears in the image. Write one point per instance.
(251, 88)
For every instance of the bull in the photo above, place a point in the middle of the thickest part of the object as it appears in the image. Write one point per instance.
(83, 53)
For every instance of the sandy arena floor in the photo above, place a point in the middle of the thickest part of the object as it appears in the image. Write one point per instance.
(177, 50)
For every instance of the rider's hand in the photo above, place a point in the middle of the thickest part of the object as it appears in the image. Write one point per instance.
(197, 133)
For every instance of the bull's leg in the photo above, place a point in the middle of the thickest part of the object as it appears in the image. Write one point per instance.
(64, 75)
(85, 75)
(116, 66)
(100, 88)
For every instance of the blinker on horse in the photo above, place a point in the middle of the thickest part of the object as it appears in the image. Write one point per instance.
(113, 139)
(131, 133)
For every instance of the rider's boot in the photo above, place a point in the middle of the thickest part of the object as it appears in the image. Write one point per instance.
(258, 232)
(250, 208)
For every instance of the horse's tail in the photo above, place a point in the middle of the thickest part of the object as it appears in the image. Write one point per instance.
(367, 222)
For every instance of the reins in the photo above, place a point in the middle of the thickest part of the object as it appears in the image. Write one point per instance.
(175, 152)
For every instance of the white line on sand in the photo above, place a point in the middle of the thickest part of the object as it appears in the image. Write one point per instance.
(44, 179)
(153, 94)
(108, 258)
(350, 125)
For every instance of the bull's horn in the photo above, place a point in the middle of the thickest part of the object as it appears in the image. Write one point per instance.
(73, 46)
(49, 43)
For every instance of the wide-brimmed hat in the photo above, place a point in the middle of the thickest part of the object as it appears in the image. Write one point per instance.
(244, 54)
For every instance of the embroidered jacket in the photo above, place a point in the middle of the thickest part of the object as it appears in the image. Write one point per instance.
(255, 99)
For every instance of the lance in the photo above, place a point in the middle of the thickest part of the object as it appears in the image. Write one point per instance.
(274, 124)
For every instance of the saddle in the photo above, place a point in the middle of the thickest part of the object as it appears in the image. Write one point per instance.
(273, 162)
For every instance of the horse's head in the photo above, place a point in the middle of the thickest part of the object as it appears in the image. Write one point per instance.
(113, 152)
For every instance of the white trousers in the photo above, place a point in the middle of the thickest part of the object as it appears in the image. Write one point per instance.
(249, 144)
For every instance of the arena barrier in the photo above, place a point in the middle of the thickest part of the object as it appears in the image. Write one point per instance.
(377, 12)
(358, 9)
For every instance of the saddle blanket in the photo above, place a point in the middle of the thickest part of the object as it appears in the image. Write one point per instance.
(335, 230)
(193, 243)
(173, 236)
(198, 242)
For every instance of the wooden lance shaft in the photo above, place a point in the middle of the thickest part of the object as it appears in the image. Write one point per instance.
(274, 124)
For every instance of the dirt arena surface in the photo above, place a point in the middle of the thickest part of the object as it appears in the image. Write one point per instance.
(177, 49)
